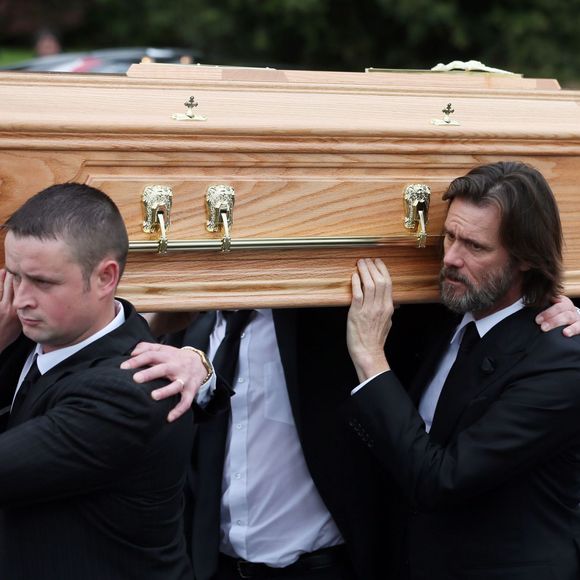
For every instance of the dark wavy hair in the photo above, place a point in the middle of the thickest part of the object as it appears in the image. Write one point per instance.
(82, 216)
(530, 226)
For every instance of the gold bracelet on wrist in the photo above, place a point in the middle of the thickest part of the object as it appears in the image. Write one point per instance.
(204, 361)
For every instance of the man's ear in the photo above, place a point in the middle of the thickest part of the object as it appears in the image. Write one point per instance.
(106, 276)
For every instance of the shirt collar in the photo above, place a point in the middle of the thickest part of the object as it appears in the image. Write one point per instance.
(48, 360)
(484, 325)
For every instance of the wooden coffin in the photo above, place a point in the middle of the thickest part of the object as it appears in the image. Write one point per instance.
(319, 163)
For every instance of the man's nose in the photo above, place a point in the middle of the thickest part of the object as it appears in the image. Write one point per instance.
(22, 296)
(452, 256)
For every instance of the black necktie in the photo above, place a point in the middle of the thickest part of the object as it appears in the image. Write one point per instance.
(456, 385)
(468, 340)
(226, 357)
(31, 377)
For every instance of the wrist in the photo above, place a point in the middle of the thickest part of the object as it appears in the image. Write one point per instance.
(368, 365)
(204, 361)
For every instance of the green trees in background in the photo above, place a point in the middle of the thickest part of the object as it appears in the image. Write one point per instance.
(534, 37)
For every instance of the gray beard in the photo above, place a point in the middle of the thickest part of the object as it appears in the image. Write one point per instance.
(493, 287)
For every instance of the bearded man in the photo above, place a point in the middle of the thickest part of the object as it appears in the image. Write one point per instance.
(489, 464)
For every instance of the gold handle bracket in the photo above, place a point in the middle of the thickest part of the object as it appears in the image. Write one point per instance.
(416, 199)
(219, 201)
(157, 201)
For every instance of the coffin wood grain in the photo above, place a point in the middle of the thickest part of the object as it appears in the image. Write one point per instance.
(309, 154)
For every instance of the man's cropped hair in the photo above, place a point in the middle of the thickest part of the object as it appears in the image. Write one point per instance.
(82, 216)
(530, 228)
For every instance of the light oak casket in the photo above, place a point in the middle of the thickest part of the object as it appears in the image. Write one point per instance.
(318, 163)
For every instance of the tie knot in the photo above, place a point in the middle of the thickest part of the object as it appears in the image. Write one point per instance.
(33, 373)
(469, 338)
(236, 321)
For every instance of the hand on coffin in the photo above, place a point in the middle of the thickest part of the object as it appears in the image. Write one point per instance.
(184, 368)
(562, 313)
(10, 327)
(369, 318)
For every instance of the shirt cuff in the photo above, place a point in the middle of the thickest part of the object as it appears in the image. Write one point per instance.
(357, 389)
(206, 391)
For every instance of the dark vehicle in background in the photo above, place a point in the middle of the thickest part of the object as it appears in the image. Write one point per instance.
(112, 60)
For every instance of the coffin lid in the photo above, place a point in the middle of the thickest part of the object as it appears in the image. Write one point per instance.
(272, 103)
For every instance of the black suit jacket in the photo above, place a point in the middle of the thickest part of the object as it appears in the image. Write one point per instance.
(91, 472)
(319, 377)
(494, 488)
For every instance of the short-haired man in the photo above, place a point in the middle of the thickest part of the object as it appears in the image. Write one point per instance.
(490, 463)
(91, 471)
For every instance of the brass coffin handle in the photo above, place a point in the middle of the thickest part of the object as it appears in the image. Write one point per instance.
(156, 203)
(416, 199)
(219, 201)
(275, 243)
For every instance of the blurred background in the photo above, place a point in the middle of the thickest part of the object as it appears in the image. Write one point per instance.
(538, 38)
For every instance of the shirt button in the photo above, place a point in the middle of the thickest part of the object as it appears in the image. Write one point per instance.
(243, 335)
(239, 426)
(241, 380)
(237, 476)
(239, 522)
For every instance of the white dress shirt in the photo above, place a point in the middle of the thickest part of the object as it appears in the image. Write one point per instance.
(431, 395)
(271, 511)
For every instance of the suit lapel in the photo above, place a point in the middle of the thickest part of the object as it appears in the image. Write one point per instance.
(285, 322)
(495, 354)
(24, 411)
(208, 463)
(121, 340)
